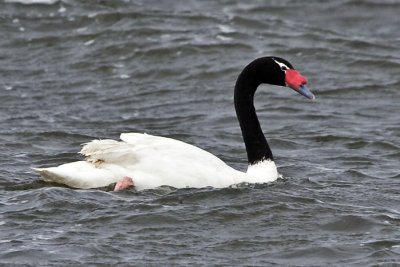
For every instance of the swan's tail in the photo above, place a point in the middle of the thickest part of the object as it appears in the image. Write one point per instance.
(98, 170)
(80, 174)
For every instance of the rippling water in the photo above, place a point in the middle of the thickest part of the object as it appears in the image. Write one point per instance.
(72, 71)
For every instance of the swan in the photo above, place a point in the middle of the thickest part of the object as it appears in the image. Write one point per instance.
(148, 161)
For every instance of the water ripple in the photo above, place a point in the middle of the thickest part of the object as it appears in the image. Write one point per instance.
(73, 71)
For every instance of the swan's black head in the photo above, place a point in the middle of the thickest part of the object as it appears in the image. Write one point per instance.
(278, 71)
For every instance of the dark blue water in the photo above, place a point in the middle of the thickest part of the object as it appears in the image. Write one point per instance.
(72, 71)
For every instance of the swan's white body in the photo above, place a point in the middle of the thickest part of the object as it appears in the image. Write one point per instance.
(153, 161)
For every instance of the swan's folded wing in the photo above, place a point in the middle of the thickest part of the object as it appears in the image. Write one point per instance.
(108, 151)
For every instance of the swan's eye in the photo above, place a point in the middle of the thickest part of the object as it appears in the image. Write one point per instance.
(281, 65)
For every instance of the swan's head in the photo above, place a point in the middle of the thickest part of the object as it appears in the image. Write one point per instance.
(291, 77)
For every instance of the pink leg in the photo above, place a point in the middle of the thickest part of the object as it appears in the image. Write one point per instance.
(124, 183)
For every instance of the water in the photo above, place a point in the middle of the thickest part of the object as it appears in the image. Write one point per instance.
(72, 71)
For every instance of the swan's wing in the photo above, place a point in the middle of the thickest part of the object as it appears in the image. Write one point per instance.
(158, 148)
(136, 146)
(109, 151)
(166, 161)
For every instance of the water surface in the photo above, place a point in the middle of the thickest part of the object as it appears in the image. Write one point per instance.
(72, 71)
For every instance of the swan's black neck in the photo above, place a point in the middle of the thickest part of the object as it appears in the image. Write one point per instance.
(259, 71)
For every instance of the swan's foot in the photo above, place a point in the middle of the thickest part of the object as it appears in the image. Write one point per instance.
(123, 184)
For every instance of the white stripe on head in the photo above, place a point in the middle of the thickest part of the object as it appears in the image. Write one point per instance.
(281, 65)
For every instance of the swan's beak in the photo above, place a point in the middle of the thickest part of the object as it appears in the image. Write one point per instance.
(298, 82)
(303, 90)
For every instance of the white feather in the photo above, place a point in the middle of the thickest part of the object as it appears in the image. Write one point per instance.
(153, 161)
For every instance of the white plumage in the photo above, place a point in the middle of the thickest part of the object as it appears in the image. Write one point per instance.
(153, 161)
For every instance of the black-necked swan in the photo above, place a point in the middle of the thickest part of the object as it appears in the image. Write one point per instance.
(151, 161)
